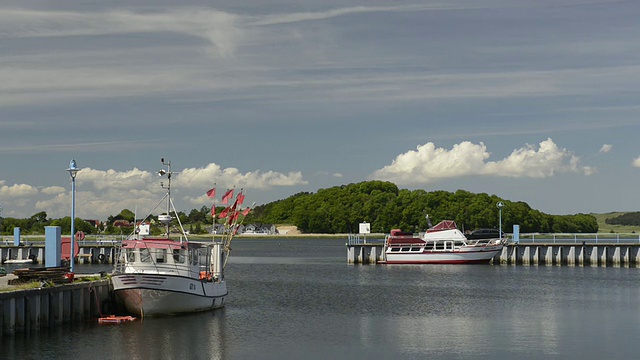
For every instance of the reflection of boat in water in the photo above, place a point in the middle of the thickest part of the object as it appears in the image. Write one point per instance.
(162, 276)
(441, 244)
(31, 260)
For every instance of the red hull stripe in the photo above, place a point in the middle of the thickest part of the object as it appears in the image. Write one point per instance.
(436, 262)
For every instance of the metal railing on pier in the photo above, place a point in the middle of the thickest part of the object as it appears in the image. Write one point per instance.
(577, 238)
(359, 239)
(531, 238)
(88, 240)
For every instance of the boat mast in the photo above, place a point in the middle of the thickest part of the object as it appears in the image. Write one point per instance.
(166, 219)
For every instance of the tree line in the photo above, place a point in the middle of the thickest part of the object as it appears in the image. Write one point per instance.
(341, 209)
(629, 219)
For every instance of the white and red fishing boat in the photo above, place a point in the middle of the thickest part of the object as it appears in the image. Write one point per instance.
(440, 244)
(165, 276)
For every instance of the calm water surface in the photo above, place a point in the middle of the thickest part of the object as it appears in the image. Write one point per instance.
(299, 299)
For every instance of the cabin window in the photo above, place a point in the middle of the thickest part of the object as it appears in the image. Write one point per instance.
(131, 255)
(203, 254)
(395, 249)
(161, 254)
(194, 256)
(178, 256)
(145, 255)
(405, 249)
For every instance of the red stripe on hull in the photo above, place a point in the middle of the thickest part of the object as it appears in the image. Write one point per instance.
(437, 262)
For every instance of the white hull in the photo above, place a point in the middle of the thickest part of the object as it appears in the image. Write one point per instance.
(465, 255)
(158, 294)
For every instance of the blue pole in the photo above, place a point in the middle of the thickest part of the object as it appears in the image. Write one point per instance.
(73, 170)
(73, 220)
(500, 204)
(500, 223)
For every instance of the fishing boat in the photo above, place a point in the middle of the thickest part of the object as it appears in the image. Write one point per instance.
(440, 244)
(165, 276)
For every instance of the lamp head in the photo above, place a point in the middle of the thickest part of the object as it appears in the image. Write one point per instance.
(161, 172)
(73, 169)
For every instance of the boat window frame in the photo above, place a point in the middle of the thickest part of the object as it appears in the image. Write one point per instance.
(160, 255)
(179, 256)
(145, 255)
(130, 255)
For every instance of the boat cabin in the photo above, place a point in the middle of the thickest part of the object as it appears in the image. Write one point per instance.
(163, 256)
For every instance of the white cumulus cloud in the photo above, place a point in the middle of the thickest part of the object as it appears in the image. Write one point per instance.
(100, 193)
(16, 190)
(428, 163)
(53, 190)
(606, 148)
(636, 162)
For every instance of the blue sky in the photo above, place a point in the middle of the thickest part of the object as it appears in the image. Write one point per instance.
(533, 101)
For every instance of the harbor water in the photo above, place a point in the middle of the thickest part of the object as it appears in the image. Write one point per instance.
(298, 299)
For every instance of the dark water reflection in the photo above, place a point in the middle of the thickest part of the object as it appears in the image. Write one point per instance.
(299, 299)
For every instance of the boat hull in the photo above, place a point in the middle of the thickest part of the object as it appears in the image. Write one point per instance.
(444, 257)
(157, 294)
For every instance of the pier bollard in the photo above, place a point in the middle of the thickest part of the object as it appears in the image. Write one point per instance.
(571, 256)
(526, 255)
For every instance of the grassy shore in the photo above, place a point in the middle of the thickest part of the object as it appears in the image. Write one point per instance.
(603, 227)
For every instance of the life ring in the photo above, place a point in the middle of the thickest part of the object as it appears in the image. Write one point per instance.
(80, 235)
(102, 258)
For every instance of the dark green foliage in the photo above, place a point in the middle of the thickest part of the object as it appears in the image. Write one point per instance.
(630, 219)
(340, 209)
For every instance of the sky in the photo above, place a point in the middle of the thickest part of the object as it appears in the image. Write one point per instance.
(532, 101)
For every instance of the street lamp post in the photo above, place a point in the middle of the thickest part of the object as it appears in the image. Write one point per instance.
(73, 171)
(500, 204)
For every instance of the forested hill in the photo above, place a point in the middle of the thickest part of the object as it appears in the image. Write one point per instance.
(340, 209)
(627, 219)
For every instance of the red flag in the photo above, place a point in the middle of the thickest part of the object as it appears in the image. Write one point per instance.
(245, 212)
(213, 211)
(211, 193)
(224, 213)
(233, 217)
(240, 198)
(228, 195)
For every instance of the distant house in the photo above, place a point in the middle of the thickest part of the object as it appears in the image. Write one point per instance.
(94, 223)
(121, 223)
(268, 229)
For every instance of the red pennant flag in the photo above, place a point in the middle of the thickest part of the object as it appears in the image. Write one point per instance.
(211, 193)
(224, 213)
(233, 217)
(213, 211)
(228, 195)
(245, 212)
(240, 198)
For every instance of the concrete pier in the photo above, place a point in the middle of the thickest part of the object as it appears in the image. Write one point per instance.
(601, 254)
(34, 309)
(365, 253)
